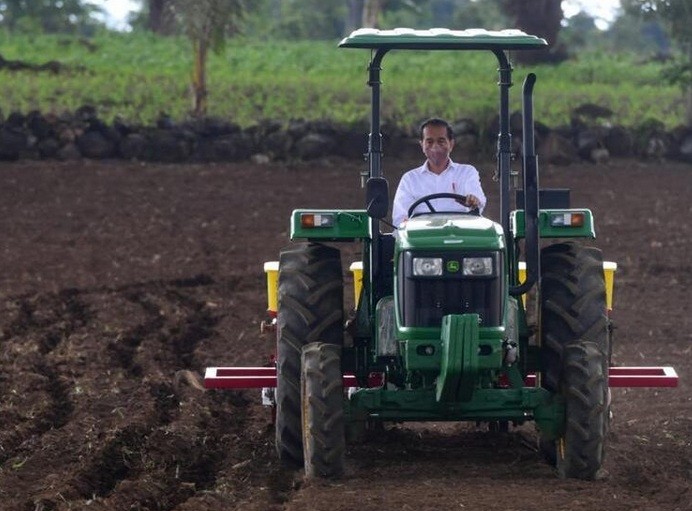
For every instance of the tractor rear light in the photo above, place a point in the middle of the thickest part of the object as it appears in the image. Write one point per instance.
(567, 219)
(477, 266)
(375, 379)
(427, 266)
(312, 220)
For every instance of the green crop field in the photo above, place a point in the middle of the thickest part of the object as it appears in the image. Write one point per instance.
(138, 76)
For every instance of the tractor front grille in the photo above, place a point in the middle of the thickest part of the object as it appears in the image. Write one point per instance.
(424, 301)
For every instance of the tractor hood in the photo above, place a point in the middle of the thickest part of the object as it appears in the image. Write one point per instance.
(451, 230)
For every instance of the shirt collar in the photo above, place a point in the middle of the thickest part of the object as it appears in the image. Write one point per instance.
(424, 167)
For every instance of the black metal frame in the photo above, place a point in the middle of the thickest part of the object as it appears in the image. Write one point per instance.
(504, 159)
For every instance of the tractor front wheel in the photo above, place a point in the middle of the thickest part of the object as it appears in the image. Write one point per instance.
(310, 309)
(322, 395)
(579, 453)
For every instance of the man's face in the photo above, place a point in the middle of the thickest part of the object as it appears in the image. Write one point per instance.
(435, 144)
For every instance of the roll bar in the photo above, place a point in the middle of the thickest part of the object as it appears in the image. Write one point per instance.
(504, 157)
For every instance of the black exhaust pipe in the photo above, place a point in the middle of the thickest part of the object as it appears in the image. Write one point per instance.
(531, 205)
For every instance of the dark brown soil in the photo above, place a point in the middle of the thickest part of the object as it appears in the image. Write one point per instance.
(117, 276)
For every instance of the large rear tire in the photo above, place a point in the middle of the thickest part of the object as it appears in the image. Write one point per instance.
(322, 394)
(575, 355)
(310, 309)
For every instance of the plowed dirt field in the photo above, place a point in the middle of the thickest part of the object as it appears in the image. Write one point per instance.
(116, 276)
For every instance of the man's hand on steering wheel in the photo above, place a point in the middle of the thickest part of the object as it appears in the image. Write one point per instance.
(461, 199)
(472, 202)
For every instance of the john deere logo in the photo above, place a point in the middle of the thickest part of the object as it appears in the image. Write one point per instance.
(452, 266)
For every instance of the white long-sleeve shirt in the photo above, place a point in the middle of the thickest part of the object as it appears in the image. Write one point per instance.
(416, 183)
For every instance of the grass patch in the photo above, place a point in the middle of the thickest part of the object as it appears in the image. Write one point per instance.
(138, 76)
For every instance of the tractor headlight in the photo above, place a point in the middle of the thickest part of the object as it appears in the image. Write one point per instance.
(427, 266)
(477, 266)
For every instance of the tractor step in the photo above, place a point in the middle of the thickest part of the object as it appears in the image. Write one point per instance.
(261, 377)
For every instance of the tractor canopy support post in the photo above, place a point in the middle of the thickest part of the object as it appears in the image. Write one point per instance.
(504, 140)
(375, 138)
(371, 256)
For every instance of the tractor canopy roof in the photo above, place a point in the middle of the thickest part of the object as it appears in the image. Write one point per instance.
(442, 39)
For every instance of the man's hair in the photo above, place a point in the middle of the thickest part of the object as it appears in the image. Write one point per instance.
(434, 121)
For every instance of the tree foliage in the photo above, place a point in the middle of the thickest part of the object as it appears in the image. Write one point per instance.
(646, 37)
(158, 17)
(458, 14)
(486, 14)
(677, 16)
(298, 19)
(48, 16)
(542, 18)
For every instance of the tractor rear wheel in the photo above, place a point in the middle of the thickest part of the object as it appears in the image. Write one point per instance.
(310, 309)
(575, 355)
(322, 394)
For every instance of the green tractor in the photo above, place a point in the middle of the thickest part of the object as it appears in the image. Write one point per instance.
(441, 330)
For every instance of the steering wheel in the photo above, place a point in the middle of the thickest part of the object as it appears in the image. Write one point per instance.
(442, 195)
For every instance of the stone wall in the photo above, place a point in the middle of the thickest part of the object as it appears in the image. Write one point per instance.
(70, 136)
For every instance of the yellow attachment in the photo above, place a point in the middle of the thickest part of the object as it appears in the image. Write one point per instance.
(522, 278)
(609, 268)
(271, 268)
(357, 270)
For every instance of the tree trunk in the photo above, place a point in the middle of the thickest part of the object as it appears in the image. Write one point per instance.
(160, 20)
(199, 79)
(542, 18)
(354, 16)
(371, 12)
